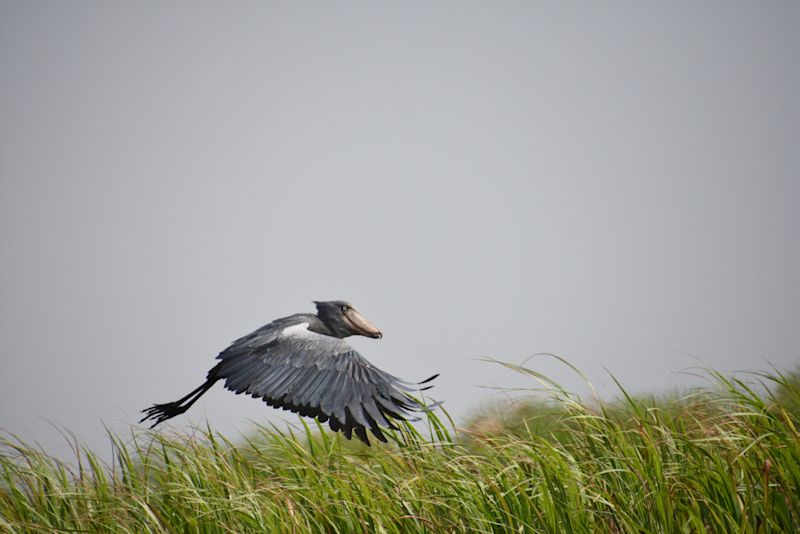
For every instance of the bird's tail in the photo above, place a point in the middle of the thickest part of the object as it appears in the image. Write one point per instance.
(158, 413)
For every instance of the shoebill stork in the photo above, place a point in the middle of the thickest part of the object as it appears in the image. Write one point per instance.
(301, 363)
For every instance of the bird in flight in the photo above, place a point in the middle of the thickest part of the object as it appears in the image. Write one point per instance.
(301, 363)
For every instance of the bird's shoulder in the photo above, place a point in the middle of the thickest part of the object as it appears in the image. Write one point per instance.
(298, 333)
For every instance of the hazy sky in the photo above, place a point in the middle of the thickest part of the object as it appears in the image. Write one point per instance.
(617, 183)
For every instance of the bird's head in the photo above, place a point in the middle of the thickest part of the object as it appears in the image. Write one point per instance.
(344, 320)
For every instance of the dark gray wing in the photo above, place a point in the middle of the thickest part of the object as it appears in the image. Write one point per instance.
(315, 375)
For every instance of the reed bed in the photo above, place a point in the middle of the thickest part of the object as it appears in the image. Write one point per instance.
(722, 459)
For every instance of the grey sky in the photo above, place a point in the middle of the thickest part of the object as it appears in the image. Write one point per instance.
(616, 183)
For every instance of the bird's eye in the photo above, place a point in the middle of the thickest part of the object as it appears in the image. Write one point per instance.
(345, 308)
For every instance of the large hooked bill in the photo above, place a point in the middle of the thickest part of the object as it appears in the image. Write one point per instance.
(361, 325)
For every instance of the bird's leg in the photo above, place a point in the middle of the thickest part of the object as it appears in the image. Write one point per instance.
(192, 393)
(161, 412)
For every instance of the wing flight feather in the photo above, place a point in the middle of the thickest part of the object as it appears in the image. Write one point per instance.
(290, 367)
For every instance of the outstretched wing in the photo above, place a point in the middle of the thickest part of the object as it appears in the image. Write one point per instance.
(319, 376)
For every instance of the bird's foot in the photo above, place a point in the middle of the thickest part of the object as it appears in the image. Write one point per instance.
(161, 412)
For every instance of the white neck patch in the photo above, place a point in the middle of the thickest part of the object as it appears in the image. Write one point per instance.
(296, 330)
(326, 344)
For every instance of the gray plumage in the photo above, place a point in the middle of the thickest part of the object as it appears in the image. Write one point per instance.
(301, 363)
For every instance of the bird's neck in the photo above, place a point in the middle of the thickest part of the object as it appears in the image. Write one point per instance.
(316, 324)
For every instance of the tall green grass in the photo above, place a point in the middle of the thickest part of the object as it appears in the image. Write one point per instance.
(726, 459)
